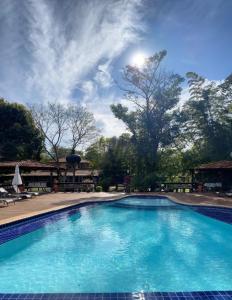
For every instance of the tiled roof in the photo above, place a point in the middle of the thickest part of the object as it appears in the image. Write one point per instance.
(27, 164)
(223, 164)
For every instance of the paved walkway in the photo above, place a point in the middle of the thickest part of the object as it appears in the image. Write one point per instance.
(51, 202)
(208, 199)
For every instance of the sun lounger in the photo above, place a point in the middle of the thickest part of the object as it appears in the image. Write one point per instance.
(5, 194)
(31, 193)
(228, 194)
(7, 201)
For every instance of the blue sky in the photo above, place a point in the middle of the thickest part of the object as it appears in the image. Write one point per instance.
(70, 50)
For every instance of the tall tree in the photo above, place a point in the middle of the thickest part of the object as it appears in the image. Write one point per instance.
(20, 139)
(207, 117)
(154, 92)
(118, 160)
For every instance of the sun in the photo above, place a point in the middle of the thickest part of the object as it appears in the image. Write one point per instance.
(138, 59)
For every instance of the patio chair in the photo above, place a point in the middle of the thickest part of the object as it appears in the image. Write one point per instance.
(6, 194)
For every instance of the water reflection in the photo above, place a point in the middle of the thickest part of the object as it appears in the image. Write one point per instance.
(107, 248)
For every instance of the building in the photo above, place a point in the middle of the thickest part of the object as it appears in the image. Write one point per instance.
(214, 176)
(33, 173)
(85, 178)
(43, 175)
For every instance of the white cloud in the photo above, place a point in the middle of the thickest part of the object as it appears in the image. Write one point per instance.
(108, 124)
(53, 46)
(103, 76)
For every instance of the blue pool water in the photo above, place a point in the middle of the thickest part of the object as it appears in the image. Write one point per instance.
(113, 248)
(145, 202)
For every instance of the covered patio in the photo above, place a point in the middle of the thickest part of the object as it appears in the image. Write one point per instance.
(214, 176)
(28, 170)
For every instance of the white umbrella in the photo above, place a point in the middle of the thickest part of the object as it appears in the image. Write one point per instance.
(17, 180)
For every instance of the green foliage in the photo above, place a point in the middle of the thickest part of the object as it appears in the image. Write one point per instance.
(20, 139)
(207, 119)
(105, 182)
(98, 188)
(165, 142)
(114, 156)
(118, 160)
(170, 165)
(145, 182)
(95, 152)
(154, 93)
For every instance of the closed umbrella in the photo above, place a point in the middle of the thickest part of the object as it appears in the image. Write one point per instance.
(17, 180)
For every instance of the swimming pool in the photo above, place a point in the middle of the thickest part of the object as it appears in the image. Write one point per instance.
(120, 247)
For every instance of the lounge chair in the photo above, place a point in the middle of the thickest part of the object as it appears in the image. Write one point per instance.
(31, 193)
(7, 201)
(5, 194)
(229, 193)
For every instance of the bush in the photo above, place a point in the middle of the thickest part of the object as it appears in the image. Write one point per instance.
(105, 183)
(145, 182)
(98, 188)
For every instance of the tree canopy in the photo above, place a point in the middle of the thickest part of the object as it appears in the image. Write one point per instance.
(154, 92)
(207, 119)
(20, 139)
(164, 139)
(60, 125)
(114, 157)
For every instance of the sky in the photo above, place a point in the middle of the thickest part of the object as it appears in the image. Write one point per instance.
(74, 50)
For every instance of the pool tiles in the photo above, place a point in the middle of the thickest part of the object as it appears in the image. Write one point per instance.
(215, 295)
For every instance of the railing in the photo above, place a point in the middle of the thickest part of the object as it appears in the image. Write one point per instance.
(76, 187)
(90, 187)
(176, 186)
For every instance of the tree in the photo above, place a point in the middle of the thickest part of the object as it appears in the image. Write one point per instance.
(71, 125)
(51, 120)
(114, 157)
(20, 139)
(153, 92)
(95, 153)
(118, 161)
(207, 120)
(82, 126)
